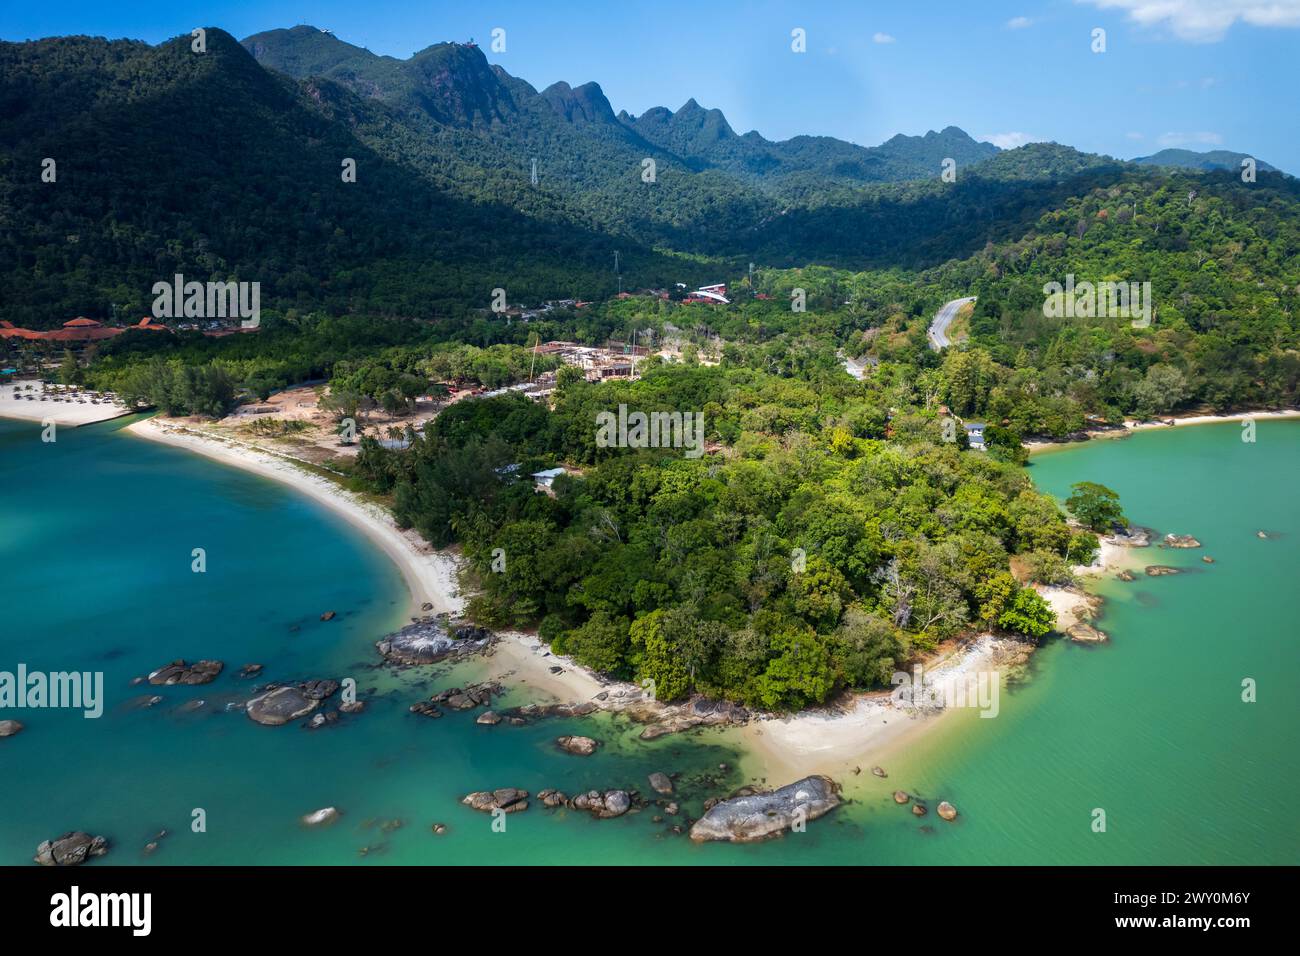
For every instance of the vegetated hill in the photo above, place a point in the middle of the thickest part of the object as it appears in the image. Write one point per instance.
(208, 165)
(1212, 159)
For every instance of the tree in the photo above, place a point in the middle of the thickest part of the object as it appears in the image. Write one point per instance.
(1028, 614)
(1095, 505)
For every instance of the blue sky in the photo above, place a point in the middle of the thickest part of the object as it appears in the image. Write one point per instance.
(1201, 74)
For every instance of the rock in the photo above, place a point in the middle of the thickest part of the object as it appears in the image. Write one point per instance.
(660, 783)
(1160, 570)
(179, 672)
(919, 809)
(1207, 559)
(439, 828)
(611, 803)
(1133, 537)
(250, 670)
(552, 798)
(71, 849)
(879, 772)
(579, 746)
(1181, 541)
(321, 818)
(509, 799)
(327, 616)
(489, 717)
(761, 815)
(617, 803)
(556, 669)
(426, 606)
(539, 711)
(352, 706)
(10, 727)
(671, 809)
(1085, 634)
(1262, 535)
(901, 797)
(280, 705)
(1126, 576)
(947, 810)
(319, 689)
(190, 706)
(425, 709)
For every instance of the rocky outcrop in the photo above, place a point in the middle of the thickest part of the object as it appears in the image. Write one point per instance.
(281, 705)
(319, 689)
(1181, 541)
(489, 718)
(425, 709)
(477, 695)
(540, 711)
(1160, 570)
(71, 849)
(1133, 537)
(250, 670)
(432, 640)
(1085, 634)
(9, 727)
(509, 799)
(552, 798)
(660, 783)
(1126, 575)
(611, 803)
(762, 815)
(674, 718)
(579, 746)
(320, 818)
(179, 672)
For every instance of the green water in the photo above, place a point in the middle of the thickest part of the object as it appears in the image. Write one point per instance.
(96, 533)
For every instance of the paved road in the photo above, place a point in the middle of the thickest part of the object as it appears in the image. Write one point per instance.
(943, 318)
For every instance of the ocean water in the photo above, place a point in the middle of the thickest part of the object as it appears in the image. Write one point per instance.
(96, 536)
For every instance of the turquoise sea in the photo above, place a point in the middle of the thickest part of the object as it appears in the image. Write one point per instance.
(96, 536)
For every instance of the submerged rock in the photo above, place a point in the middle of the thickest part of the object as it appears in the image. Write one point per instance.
(1126, 576)
(879, 772)
(1085, 634)
(328, 616)
(761, 815)
(71, 849)
(322, 817)
(660, 783)
(579, 746)
(425, 709)
(281, 705)
(250, 670)
(179, 672)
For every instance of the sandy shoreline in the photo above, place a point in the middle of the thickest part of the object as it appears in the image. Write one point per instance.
(430, 575)
(1134, 426)
(66, 413)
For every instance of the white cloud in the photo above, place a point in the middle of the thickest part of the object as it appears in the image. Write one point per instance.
(1205, 21)
(1167, 140)
(882, 38)
(1019, 23)
(1010, 140)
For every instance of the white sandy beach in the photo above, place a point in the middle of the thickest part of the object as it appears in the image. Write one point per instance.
(67, 413)
(430, 575)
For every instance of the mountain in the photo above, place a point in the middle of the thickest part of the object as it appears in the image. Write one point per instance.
(1212, 159)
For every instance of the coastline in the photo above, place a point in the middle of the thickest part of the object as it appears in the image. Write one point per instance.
(843, 737)
(1131, 426)
(430, 575)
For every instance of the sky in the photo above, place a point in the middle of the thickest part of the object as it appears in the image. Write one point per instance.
(1196, 74)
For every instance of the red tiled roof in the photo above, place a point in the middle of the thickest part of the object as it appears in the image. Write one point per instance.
(81, 322)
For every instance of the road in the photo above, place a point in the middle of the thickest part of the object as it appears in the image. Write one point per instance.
(943, 318)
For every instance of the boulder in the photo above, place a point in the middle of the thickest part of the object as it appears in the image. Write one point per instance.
(660, 783)
(758, 816)
(321, 818)
(9, 727)
(1126, 575)
(319, 689)
(352, 707)
(489, 717)
(1160, 570)
(424, 642)
(611, 803)
(1181, 541)
(947, 811)
(425, 709)
(901, 797)
(328, 616)
(439, 828)
(281, 705)
(179, 672)
(579, 746)
(71, 849)
(250, 670)
(552, 798)
(879, 772)
(509, 799)
(919, 809)
(1207, 559)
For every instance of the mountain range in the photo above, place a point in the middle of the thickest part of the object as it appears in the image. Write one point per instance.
(226, 164)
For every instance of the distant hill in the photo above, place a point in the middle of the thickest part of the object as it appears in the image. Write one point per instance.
(1213, 159)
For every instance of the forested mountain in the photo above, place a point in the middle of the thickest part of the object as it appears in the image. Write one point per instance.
(1213, 159)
